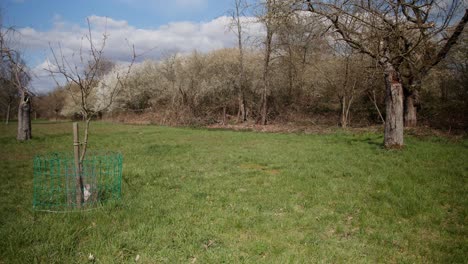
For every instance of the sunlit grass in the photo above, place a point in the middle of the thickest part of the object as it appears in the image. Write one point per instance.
(195, 195)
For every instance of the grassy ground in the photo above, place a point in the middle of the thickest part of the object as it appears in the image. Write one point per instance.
(205, 196)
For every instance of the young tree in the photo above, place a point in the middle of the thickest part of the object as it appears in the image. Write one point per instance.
(385, 30)
(240, 7)
(343, 74)
(85, 75)
(272, 13)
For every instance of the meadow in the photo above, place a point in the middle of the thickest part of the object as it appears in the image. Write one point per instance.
(216, 196)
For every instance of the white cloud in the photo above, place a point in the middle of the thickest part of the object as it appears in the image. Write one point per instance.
(182, 37)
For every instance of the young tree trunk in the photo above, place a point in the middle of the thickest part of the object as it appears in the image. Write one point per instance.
(345, 110)
(374, 101)
(266, 76)
(393, 135)
(78, 167)
(7, 118)
(24, 118)
(264, 106)
(290, 76)
(411, 99)
(238, 12)
(344, 117)
(241, 116)
(224, 115)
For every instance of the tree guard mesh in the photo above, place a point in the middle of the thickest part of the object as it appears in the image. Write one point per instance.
(55, 180)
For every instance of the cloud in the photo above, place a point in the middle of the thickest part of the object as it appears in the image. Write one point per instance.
(181, 37)
(168, 6)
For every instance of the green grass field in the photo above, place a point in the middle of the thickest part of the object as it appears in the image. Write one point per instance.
(213, 196)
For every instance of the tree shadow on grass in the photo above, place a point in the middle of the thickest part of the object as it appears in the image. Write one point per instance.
(371, 141)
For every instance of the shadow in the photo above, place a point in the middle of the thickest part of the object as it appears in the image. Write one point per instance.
(376, 142)
(45, 122)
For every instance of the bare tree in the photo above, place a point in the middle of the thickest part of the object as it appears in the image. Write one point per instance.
(429, 53)
(239, 8)
(271, 17)
(380, 29)
(86, 74)
(16, 74)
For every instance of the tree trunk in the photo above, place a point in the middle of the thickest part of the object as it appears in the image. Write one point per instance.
(393, 135)
(24, 118)
(411, 99)
(345, 103)
(78, 167)
(374, 101)
(242, 116)
(344, 118)
(266, 76)
(224, 115)
(7, 119)
(264, 110)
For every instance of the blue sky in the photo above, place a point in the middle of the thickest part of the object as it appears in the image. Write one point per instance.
(158, 26)
(40, 14)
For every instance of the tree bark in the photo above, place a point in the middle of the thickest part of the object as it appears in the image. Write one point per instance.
(393, 134)
(24, 117)
(411, 109)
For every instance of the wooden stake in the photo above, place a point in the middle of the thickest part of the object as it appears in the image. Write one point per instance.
(76, 148)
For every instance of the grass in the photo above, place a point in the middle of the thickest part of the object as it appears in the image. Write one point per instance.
(203, 196)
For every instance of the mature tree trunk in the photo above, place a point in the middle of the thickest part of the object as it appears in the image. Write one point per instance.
(393, 135)
(24, 117)
(411, 99)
